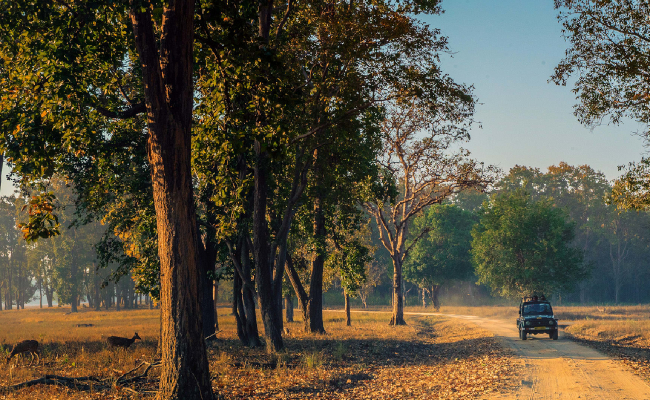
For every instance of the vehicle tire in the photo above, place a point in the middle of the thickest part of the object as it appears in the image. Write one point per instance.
(554, 335)
(522, 334)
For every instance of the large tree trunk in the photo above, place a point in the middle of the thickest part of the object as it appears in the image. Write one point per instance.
(288, 307)
(299, 289)
(167, 76)
(207, 260)
(9, 301)
(435, 290)
(315, 305)
(263, 265)
(424, 298)
(244, 296)
(348, 319)
(98, 299)
(19, 289)
(49, 295)
(73, 285)
(238, 309)
(215, 299)
(398, 300)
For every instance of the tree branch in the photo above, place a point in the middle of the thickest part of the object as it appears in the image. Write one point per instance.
(125, 114)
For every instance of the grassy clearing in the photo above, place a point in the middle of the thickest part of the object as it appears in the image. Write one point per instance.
(431, 357)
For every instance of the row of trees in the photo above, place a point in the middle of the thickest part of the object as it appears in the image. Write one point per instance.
(206, 134)
(64, 267)
(556, 232)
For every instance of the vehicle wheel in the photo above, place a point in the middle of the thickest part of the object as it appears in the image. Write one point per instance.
(522, 334)
(554, 335)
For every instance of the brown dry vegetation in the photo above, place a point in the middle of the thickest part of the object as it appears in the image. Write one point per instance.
(432, 357)
(622, 332)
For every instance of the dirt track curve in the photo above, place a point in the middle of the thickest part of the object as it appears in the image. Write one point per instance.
(562, 369)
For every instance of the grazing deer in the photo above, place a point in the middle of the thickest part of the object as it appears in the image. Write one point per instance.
(25, 346)
(116, 341)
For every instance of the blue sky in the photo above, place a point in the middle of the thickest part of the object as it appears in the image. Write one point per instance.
(508, 49)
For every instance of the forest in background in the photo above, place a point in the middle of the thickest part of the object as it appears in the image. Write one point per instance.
(67, 267)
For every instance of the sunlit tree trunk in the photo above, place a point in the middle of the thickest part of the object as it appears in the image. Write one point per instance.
(348, 319)
(167, 68)
(215, 298)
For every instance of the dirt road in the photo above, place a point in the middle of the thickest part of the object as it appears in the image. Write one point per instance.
(562, 369)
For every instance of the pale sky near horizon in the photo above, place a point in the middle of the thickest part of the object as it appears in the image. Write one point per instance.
(508, 49)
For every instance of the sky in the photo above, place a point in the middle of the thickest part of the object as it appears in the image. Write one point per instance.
(508, 50)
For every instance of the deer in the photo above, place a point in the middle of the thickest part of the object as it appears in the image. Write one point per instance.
(116, 341)
(25, 346)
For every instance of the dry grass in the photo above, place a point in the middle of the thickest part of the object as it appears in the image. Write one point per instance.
(432, 357)
(71, 350)
(499, 312)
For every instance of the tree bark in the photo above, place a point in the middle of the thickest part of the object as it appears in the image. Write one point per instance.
(167, 70)
(207, 259)
(9, 301)
(398, 300)
(244, 293)
(435, 290)
(263, 265)
(288, 307)
(315, 304)
(73, 283)
(98, 299)
(424, 298)
(49, 295)
(299, 289)
(215, 298)
(348, 320)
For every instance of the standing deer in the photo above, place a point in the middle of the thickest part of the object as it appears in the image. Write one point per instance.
(25, 346)
(116, 341)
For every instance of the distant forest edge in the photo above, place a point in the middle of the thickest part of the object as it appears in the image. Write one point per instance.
(68, 268)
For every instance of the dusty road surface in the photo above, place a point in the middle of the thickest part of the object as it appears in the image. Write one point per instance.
(562, 369)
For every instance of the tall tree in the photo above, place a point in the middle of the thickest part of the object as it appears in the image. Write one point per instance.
(522, 246)
(581, 192)
(424, 170)
(83, 49)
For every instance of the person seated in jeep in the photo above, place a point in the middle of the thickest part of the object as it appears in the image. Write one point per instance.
(537, 309)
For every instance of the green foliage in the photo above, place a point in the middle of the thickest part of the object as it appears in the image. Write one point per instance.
(522, 246)
(42, 222)
(443, 253)
(632, 190)
(609, 54)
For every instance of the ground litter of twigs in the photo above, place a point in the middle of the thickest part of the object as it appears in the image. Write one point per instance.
(430, 358)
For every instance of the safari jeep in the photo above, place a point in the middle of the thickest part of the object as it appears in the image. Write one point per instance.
(535, 317)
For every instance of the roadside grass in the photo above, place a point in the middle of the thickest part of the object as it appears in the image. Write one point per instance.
(431, 357)
(498, 312)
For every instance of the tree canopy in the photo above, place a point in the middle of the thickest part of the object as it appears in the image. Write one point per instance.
(522, 246)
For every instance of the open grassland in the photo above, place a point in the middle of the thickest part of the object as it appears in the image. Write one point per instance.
(622, 332)
(431, 357)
